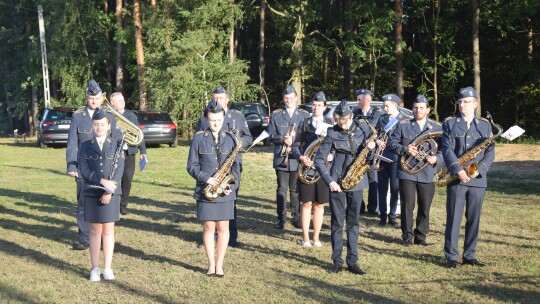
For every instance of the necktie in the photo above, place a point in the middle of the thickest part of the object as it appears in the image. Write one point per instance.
(468, 124)
(100, 143)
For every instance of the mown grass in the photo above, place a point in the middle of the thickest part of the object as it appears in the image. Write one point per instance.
(157, 260)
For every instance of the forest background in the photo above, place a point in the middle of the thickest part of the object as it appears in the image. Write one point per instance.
(170, 55)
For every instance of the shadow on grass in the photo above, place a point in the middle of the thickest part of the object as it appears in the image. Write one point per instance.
(509, 182)
(38, 168)
(507, 293)
(10, 294)
(41, 258)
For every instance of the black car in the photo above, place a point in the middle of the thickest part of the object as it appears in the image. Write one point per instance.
(53, 128)
(157, 127)
(256, 114)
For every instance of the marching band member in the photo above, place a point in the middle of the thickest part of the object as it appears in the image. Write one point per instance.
(315, 194)
(97, 158)
(346, 138)
(208, 152)
(281, 130)
(461, 134)
(420, 183)
(388, 171)
(236, 122)
(80, 130)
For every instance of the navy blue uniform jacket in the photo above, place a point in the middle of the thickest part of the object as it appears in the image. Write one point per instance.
(205, 158)
(457, 140)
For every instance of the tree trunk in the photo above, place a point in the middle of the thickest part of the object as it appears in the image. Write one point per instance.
(398, 38)
(232, 48)
(348, 57)
(476, 51)
(33, 113)
(262, 20)
(140, 54)
(297, 55)
(153, 4)
(119, 49)
(436, 13)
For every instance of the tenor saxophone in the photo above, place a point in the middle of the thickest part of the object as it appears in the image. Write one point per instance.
(443, 177)
(224, 174)
(359, 166)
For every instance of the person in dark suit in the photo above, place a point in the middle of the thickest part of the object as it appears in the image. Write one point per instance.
(387, 173)
(364, 111)
(80, 130)
(460, 134)
(346, 138)
(312, 129)
(421, 183)
(282, 129)
(208, 152)
(234, 121)
(119, 104)
(101, 164)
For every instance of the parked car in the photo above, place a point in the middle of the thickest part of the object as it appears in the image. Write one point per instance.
(53, 128)
(256, 114)
(157, 127)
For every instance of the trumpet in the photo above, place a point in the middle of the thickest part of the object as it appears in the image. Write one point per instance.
(133, 135)
(286, 150)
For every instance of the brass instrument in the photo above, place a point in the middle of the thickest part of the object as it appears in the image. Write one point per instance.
(133, 135)
(286, 150)
(426, 146)
(308, 175)
(360, 166)
(443, 177)
(224, 174)
(378, 152)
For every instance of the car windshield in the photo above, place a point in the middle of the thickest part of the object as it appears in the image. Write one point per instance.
(59, 115)
(249, 108)
(154, 117)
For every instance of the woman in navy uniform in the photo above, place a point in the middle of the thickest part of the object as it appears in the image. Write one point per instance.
(420, 183)
(313, 194)
(208, 151)
(461, 134)
(346, 138)
(101, 208)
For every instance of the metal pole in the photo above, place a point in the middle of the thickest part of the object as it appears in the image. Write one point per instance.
(46, 91)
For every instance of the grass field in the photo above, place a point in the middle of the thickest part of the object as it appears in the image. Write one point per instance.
(157, 260)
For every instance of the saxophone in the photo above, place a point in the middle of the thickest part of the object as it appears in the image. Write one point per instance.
(308, 175)
(443, 177)
(224, 174)
(426, 146)
(359, 166)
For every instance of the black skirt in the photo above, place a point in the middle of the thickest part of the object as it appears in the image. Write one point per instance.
(96, 212)
(318, 192)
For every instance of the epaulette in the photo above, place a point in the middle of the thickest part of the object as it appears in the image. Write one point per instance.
(278, 110)
(448, 118)
(359, 121)
(436, 123)
(199, 132)
(404, 121)
(80, 110)
(484, 119)
(303, 111)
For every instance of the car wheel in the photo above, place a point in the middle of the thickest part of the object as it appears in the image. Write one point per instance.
(174, 144)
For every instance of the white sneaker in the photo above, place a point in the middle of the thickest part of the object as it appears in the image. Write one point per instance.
(305, 244)
(95, 275)
(317, 244)
(108, 274)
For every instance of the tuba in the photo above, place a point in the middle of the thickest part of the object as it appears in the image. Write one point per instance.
(223, 174)
(308, 175)
(443, 177)
(359, 166)
(426, 146)
(133, 135)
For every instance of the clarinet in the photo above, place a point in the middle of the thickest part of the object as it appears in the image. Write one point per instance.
(116, 157)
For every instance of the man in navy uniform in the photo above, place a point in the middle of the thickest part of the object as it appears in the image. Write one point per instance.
(80, 131)
(461, 134)
(234, 121)
(119, 104)
(388, 171)
(420, 183)
(346, 138)
(281, 130)
(364, 111)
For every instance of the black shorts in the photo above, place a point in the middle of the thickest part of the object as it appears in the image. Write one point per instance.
(318, 192)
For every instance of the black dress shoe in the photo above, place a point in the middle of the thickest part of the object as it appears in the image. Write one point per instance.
(280, 224)
(473, 262)
(421, 242)
(451, 264)
(80, 246)
(296, 223)
(217, 275)
(355, 269)
(234, 244)
(123, 211)
(335, 268)
(407, 243)
(382, 222)
(392, 222)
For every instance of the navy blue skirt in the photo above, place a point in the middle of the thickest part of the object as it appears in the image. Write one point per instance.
(210, 211)
(96, 212)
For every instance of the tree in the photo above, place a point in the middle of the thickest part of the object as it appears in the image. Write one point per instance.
(398, 40)
(476, 51)
(140, 54)
(119, 47)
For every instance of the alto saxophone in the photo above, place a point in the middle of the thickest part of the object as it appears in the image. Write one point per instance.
(426, 146)
(443, 177)
(224, 174)
(359, 166)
